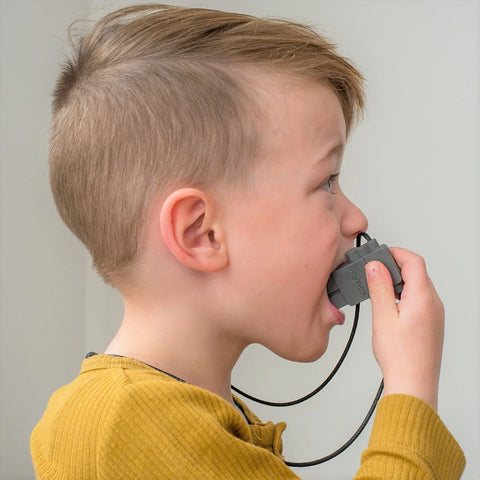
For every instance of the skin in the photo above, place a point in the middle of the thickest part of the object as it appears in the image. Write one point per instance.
(408, 335)
(223, 268)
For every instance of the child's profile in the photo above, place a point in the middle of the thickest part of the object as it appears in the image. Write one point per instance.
(197, 155)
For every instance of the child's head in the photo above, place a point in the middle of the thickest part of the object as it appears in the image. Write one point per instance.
(157, 98)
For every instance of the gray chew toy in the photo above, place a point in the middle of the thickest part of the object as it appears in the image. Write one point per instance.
(347, 285)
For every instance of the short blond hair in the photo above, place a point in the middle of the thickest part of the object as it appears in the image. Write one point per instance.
(153, 97)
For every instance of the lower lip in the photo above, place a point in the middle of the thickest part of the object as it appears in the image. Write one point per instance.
(339, 316)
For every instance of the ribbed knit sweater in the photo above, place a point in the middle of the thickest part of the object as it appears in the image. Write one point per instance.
(121, 419)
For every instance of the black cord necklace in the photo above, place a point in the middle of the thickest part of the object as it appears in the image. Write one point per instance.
(322, 386)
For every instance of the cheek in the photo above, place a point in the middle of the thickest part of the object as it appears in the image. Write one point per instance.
(288, 247)
(322, 242)
(306, 267)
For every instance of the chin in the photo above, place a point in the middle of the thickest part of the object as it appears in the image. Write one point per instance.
(312, 357)
(306, 353)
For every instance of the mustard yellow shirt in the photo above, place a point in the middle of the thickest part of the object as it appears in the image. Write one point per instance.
(121, 419)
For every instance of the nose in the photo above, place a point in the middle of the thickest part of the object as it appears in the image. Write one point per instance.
(353, 220)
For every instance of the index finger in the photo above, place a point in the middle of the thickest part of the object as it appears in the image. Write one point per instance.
(414, 269)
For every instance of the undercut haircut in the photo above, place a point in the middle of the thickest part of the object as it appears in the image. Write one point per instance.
(156, 97)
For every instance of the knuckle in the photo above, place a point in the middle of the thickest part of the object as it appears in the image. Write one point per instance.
(420, 261)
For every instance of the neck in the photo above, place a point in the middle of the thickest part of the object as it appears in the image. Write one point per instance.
(188, 347)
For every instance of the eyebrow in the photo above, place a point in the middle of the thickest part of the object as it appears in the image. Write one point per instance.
(337, 150)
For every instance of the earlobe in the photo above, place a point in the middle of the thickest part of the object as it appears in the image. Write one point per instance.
(191, 231)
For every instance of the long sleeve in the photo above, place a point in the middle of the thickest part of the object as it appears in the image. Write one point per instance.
(121, 419)
(409, 441)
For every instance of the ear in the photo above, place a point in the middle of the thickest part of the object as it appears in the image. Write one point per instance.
(191, 230)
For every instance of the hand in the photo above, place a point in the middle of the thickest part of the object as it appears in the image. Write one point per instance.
(408, 335)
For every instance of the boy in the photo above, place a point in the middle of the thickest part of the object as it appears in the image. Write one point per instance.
(196, 154)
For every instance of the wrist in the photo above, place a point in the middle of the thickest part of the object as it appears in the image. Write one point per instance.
(423, 391)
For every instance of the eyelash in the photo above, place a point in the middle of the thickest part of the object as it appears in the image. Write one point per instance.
(330, 183)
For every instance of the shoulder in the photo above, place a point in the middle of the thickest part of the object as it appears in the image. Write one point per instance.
(128, 391)
(160, 401)
(124, 420)
(181, 431)
(161, 428)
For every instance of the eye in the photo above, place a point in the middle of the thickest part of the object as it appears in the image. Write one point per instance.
(328, 185)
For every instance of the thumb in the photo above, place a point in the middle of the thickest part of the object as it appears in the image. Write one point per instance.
(381, 291)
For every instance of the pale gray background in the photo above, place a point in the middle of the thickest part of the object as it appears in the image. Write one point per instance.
(413, 166)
